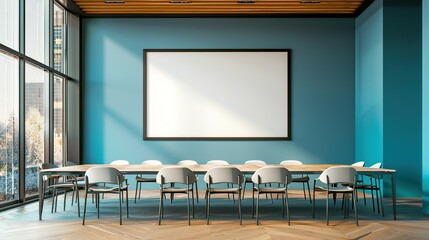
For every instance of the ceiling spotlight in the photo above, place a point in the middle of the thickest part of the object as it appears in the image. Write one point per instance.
(310, 1)
(180, 2)
(114, 1)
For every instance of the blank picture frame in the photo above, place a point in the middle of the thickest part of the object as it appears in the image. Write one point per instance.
(216, 94)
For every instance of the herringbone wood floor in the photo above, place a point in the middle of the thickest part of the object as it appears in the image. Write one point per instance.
(23, 223)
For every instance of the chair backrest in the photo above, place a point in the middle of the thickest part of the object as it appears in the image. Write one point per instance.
(338, 174)
(224, 174)
(377, 165)
(47, 166)
(217, 162)
(358, 164)
(120, 162)
(104, 175)
(290, 163)
(187, 163)
(151, 162)
(272, 174)
(175, 174)
(255, 162)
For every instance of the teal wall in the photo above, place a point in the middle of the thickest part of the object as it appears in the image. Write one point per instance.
(388, 91)
(402, 114)
(369, 85)
(425, 117)
(323, 72)
(339, 115)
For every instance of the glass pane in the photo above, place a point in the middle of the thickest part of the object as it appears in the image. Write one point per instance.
(36, 82)
(58, 120)
(72, 45)
(59, 38)
(36, 30)
(9, 128)
(9, 23)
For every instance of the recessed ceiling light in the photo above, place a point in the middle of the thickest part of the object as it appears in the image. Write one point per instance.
(180, 2)
(246, 1)
(114, 1)
(310, 1)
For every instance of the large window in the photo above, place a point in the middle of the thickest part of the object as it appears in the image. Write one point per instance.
(9, 130)
(58, 120)
(37, 30)
(9, 22)
(36, 82)
(59, 18)
(35, 73)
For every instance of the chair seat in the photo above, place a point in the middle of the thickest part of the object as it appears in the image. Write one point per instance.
(62, 185)
(176, 190)
(270, 190)
(339, 189)
(248, 179)
(143, 179)
(301, 179)
(104, 189)
(223, 190)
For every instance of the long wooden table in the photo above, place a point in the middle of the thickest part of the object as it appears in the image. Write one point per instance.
(202, 169)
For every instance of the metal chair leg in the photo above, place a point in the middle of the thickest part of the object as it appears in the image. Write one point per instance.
(126, 195)
(327, 208)
(257, 209)
(355, 206)
(253, 201)
(239, 207)
(121, 198)
(137, 189)
(283, 205)
(308, 187)
(208, 207)
(84, 207)
(189, 207)
(98, 204)
(65, 197)
(161, 199)
(287, 208)
(196, 189)
(193, 205)
(314, 199)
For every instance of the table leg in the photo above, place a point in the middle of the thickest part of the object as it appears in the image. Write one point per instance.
(41, 195)
(394, 195)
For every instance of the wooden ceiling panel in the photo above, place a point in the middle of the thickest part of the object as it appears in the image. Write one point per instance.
(221, 7)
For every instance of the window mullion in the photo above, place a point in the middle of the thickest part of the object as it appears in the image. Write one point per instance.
(21, 77)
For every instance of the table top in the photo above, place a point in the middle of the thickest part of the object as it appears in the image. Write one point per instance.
(152, 169)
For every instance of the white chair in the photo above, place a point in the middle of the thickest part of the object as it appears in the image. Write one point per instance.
(249, 179)
(190, 163)
(304, 179)
(220, 163)
(78, 180)
(373, 186)
(59, 186)
(217, 162)
(359, 179)
(175, 176)
(338, 179)
(140, 179)
(223, 174)
(120, 162)
(113, 182)
(269, 175)
(358, 164)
